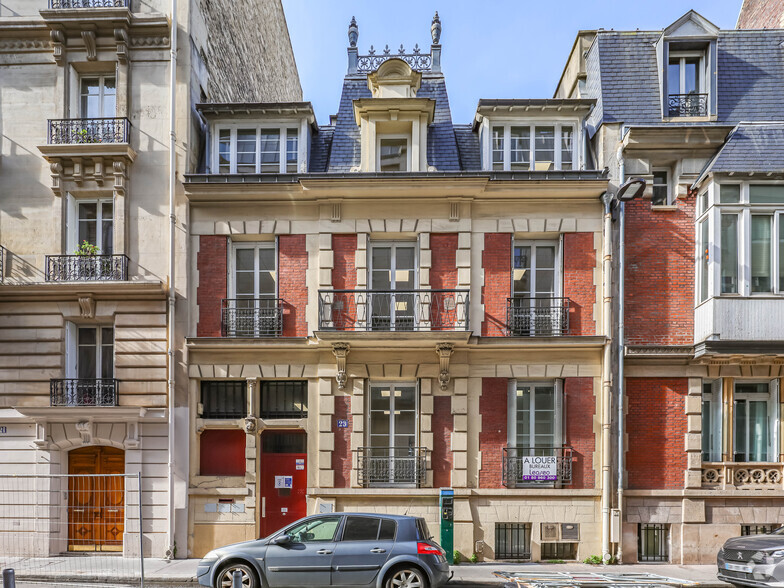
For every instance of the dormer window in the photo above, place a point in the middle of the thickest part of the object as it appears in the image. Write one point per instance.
(548, 146)
(255, 149)
(393, 153)
(686, 84)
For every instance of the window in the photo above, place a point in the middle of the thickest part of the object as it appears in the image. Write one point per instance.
(653, 542)
(368, 529)
(761, 253)
(95, 353)
(754, 423)
(95, 224)
(224, 399)
(537, 424)
(284, 400)
(254, 149)
(661, 187)
(98, 97)
(312, 530)
(746, 530)
(513, 541)
(703, 260)
(254, 309)
(711, 420)
(729, 254)
(535, 308)
(559, 551)
(533, 147)
(393, 154)
(284, 442)
(686, 85)
(392, 284)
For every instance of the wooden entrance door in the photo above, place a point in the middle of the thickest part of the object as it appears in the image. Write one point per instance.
(96, 499)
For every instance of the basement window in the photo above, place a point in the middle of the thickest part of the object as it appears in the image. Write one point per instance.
(653, 542)
(513, 541)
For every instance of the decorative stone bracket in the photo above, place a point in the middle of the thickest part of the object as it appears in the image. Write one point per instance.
(85, 430)
(340, 350)
(444, 351)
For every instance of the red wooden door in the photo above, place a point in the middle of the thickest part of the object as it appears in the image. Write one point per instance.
(96, 500)
(282, 479)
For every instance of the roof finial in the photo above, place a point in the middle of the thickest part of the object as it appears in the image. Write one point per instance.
(353, 32)
(435, 29)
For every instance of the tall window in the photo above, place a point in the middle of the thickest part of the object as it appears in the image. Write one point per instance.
(256, 149)
(254, 271)
(392, 281)
(711, 420)
(498, 148)
(703, 259)
(392, 434)
(537, 422)
(729, 254)
(535, 308)
(686, 85)
(95, 224)
(661, 187)
(761, 253)
(532, 147)
(393, 154)
(95, 353)
(98, 97)
(754, 422)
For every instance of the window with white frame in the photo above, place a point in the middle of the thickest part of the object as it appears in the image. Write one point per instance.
(711, 420)
(98, 97)
(253, 309)
(661, 187)
(256, 149)
(744, 225)
(686, 84)
(535, 415)
(536, 307)
(89, 352)
(393, 153)
(533, 147)
(95, 224)
(392, 282)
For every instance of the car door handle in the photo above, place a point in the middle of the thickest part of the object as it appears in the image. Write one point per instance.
(324, 551)
(378, 550)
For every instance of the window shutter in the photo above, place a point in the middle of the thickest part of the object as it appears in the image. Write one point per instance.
(70, 350)
(774, 412)
(71, 225)
(559, 414)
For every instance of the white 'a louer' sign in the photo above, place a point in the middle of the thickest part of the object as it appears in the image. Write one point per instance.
(540, 468)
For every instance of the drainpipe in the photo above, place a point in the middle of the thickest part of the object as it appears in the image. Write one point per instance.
(171, 295)
(606, 376)
(621, 386)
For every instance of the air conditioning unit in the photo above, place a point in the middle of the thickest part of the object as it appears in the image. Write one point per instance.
(560, 532)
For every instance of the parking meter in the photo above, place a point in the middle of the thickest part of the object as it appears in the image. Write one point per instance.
(446, 502)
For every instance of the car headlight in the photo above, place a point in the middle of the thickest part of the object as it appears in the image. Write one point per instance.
(212, 555)
(776, 555)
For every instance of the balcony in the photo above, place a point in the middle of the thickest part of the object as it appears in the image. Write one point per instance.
(67, 4)
(537, 317)
(83, 392)
(379, 467)
(743, 476)
(86, 268)
(536, 466)
(687, 105)
(393, 310)
(79, 131)
(251, 317)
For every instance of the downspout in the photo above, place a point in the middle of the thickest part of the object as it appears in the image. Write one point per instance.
(621, 350)
(170, 551)
(606, 376)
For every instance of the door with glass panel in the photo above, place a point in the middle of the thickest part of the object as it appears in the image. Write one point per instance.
(94, 385)
(392, 456)
(392, 277)
(254, 311)
(535, 309)
(536, 432)
(94, 228)
(755, 422)
(98, 97)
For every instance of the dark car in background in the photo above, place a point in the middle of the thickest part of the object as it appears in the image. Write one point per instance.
(753, 560)
(336, 549)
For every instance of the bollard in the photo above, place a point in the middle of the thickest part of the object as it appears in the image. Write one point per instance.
(236, 579)
(9, 581)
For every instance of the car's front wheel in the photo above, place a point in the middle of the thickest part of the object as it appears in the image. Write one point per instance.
(406, 577)
(226, 576)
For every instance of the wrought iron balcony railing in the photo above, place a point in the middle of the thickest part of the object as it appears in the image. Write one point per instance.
(86, 268)
(83, 392)
(391, 466)
(537, 317)
(72, 131)
(536, 466)
(2, 263)
(58, 4)
(252, 317)
(393, 310)
(688, 104)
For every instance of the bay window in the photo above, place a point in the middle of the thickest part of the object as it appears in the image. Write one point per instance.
(532, 147)
(256, 149)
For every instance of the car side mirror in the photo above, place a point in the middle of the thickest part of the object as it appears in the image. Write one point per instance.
(282, 539)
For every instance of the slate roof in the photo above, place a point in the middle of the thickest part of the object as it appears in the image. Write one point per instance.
(622, 75)
(751, 148)
(442, 150)
(468, 147)
(320, 146)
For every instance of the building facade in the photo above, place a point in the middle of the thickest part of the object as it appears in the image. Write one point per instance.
(91, 209)
(702, 307)
(392, 304)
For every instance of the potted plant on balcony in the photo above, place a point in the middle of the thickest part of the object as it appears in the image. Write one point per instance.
(88, 264)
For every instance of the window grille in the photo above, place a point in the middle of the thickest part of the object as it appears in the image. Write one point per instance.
(513, 541)
(284, 400)
(757, 529)
(224, 399)
(559, 551)
(284, 443)
(653, 542)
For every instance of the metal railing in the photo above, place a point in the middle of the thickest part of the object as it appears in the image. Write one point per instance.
(251, 317)
(2, 263)
(86, 268)
(58, 4)
(536, 466)
(537, 317)
(391, 466)
(83, 392)
(88, 130)
(688, 104)
(393, 310)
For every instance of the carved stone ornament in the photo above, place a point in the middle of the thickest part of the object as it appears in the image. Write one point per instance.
(121, 37)
(435, 29)
(41, 440)
(88, 36)
(250, 424)
(444, 351)
(58, 45)
(340, 350)
(85, 430)
(86, 306)
(132, 436)
(353, 32)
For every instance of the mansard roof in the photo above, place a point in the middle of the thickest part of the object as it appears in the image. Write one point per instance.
(750, 148)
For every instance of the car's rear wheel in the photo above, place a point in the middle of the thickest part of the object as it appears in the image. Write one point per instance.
(406, 577)
(226, 576)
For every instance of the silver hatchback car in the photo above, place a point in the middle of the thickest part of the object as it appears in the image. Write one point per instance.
(753, 560)
(336, 549)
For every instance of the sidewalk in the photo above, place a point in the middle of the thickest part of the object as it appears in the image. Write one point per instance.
(183, 571)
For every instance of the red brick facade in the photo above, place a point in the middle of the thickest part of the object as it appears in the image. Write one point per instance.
(497, 264)
(579, 263)
(344, 267)
(656, 432)
(659, 274)
(761, 14)
(292, 283)
(492, 437)
(443, 425)
(341, 454)
(580, 410)
(211, 261)
(443, 274)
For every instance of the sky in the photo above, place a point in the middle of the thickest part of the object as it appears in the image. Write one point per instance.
(490, 48)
